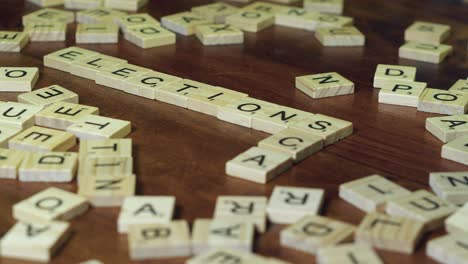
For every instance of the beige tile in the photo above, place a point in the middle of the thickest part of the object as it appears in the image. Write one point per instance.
(460, 86)
(13, 41)
(325, 6)
(391, 233)
(330, 129)
(219, 34)
(47, 15)
(93, 167)
(48, 167)
(427, 32)
(456, 150)
(34, 241)
(221, 255)
(62, 59)
(125, 5)
(324, 85)
(313, 232)
(106, 148)
(48, 95)
(46, 3)
(371, 193)
(183, 23)
(215, 12)
(150, 36)
(50, 204)
(6, 133)
(83, 4)
(43, 140)
(242, 111)
(133, 20)
(348, 253)
(99, 15)
(443, 102)
(392, 73)
(402, 93)
(425, 52)
(18, 79)
(10, 161)
(141, 210)
(274, 120)
(61, 115)
(155, 241)
(99, 127)
(97, 33)
(211, 100)
(332, 21)
(456, 223)
(242, 208)
(251, 20)
(176, 93)
(449, 249)
(297, 18)
(288, 205)
(18, 115)
(448, 128)
(88, 67)
(108, 191)
(114, 76)
(340, 37)
(46, 31)
(450, 186)
(261, 6)
(146, 85)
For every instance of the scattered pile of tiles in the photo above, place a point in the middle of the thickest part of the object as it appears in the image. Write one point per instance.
(128, 5)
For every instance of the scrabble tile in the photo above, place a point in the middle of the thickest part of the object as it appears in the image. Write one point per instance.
(141, 210)
(50, 204)
(155, 241)
(392, 73)
(324, 85)
(288, 205)
(242, 111)
(34, 241)
(17, 115)
(450, 249)
(456, 223)
(146, 85)
(62, 59)
(99, 127)
(443, 102)
(242, 208)
(48, 15)
(251, 21)
(313, 232)
(448, 128)
(422, 206)
(391, 233)
(274, 120)
(208, 234)
(48, 167)
(425, 52)
(125, 5)
(456, 150)
(48, 95)
(88, 67)
(297, 18)
(61, 115)
(136, 20)
(6, 133)
(330, 129)
(46, 31)
(106, 148)
(83, 4)
(183, 23)
(332, 21)
(460, 86)
(108, 191)
(92, 167)
(225, 256)
(46, 3)
(92, 261)
(97, 33)
(450, 186)
(18, 79)
(212, 99)
(266, 7)
(13, 41)
(426, 32)
(98, 15)
(348, 253)
(325, 6)
(221, 34)
(42, 139)
(215, 12)
(113, 76)
(402, 93)
(150, 36)
(176, 93)
(10, 161)
(285, 1)
(344, 37)
(258, 165)
(371, 193)
(297, 144)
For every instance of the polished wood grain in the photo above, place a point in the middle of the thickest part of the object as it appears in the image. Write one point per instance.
(183, 153)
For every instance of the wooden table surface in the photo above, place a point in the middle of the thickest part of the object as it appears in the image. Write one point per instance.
(183, 153)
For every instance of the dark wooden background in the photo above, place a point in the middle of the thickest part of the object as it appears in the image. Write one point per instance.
(183, 153)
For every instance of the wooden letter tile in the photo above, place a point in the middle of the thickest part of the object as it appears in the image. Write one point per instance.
(98, 15)
(10, 161)
(456, 150)
(258, 165)
(88, 67)
(46, 31)
(113, 76)
(297, 144)
(48, 95)
(460, 86)
(313, 232)
(426, 32)
(150, 36)
(251, 21)
(389, 232)
(94, 167)
(274, 120)
(371, 193)
(340, 37)
(332, 21)
(425, 52)
(210, 234)
(456, 223)
(402, 93)
(136, 20)
(422, 206)
(183, 23)
(146, 85)
(225, 256)
(242, 111)
(325, 6)
(450, 186)
(99, 127)
(97, 33)
(140, 210)
(348, 254)
(83, 4)
(34, 241)
(324, 85)
(288, 205)
(221, 34)
(61, 115)
(17, 115)
(215, 12)
(46, 3)
(443, 102)
(242, 208)
(176, 93)
(6, 133)
(329, 128)
(155, 241)
(48, 15)
(125, 5)
(212, 99)
(297, 18)
(48, 167)
(50, 204)
(450, 249)
(392, 73)
(107, 191)
(448, 128)
(62, 59)
(43, 140)
(264, 7)
(12, 41)
(106, 148)
(18, 79)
